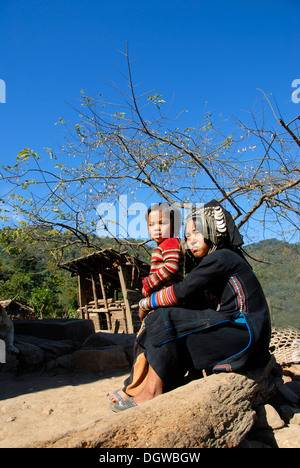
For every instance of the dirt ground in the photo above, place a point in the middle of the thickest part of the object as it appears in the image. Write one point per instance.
(36, 408)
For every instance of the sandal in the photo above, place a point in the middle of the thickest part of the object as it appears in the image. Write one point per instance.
(117, 395)
(123, 405)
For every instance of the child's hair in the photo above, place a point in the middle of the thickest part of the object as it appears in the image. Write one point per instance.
(173, 213)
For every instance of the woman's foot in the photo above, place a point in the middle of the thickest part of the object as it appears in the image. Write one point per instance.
(122, 405)
(153, 388)
(117, 395)
(130, 402)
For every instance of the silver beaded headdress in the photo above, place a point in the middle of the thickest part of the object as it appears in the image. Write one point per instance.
(216, 225)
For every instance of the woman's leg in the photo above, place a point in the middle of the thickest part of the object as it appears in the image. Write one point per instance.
(136, 381)
(153, 388)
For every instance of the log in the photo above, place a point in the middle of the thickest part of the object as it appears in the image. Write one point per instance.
(213, 412)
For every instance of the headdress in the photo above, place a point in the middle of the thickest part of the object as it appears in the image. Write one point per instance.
(217, 226)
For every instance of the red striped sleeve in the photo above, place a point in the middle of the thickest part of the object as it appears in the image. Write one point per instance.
(166, 265)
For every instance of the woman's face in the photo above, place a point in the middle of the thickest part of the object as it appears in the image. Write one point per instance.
(195, 240)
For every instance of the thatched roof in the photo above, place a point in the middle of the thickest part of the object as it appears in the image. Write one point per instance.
(14, 308)
(106, 262)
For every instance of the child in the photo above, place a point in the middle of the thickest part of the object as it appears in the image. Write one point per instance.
(166, 269)
(167, 258)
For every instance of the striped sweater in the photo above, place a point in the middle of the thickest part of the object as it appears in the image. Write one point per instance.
(166, 266)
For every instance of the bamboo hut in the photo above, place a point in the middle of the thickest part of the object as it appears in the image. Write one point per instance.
(109, 289)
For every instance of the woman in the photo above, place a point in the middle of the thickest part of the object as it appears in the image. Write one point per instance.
(217, 318)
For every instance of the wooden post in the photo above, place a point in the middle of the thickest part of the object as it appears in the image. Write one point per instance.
(103, 291)
(105, 302)
(94, 292)
(122, 277)
(82, 295)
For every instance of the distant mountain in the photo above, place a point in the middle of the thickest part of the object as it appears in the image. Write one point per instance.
(279, 276)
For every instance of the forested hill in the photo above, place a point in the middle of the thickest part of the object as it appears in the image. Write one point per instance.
(280, 278)
(28, 274)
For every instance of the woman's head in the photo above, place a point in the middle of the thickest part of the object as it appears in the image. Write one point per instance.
(213, 226)
(163, 221)
(195, 239)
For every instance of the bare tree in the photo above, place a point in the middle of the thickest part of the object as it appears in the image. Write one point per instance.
(133, 146)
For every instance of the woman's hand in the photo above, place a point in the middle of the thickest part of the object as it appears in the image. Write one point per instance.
(144, 307)
(142, 314)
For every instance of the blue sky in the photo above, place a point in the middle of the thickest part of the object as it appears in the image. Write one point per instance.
(192, 51)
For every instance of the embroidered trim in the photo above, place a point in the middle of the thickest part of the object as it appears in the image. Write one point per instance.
(239, 293)
(222, 368)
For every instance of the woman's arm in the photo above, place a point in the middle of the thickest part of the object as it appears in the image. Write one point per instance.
(163, 298)
(209, 270)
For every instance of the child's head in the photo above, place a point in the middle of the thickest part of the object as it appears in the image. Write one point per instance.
(162, 221)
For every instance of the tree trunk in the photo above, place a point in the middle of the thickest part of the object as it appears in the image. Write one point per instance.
(213, 412)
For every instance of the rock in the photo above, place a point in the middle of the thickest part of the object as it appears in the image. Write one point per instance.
(268, 418)
(30, 356)
(101, 360)
(51, 348)
(67, 361)
(50, 365)
(296, 418)
(102, 340)
(11, 364)
(288, 437)
(76, 330)
(98, 340)
(123, 339)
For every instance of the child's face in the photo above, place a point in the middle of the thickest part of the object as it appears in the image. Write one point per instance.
(159, 226)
